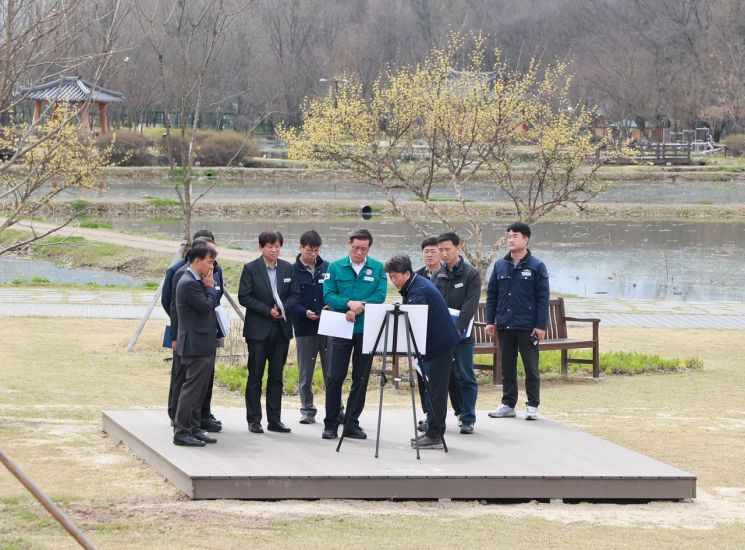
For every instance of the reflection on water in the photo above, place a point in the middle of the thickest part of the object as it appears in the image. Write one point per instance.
(684, 192)
(670, 260)
(23, 269)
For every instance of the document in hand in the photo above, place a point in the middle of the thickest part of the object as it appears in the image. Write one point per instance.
(279, 303)
(455, 313)
(333, 323)
(223, 320)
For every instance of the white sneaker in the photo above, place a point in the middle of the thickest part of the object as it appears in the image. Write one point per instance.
(531, 413)
(503, 411)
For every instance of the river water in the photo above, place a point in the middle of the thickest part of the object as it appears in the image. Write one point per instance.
(649, 259)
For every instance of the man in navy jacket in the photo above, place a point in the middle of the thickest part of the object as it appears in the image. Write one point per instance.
(441, 340)
(310, 273)
(517, 304)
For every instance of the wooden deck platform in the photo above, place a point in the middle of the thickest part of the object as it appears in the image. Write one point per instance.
(505, 459)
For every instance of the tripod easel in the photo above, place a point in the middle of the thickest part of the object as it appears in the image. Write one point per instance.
(412, 352)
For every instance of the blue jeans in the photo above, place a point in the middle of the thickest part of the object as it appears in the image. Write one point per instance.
(469, 388)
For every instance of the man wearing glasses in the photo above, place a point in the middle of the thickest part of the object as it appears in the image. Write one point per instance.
(352, 282)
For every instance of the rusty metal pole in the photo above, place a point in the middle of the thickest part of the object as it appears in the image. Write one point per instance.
(45, 501)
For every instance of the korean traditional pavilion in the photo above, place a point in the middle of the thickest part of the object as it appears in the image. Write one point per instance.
(73, 90)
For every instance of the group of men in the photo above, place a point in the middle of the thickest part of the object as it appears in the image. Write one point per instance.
(282, 299)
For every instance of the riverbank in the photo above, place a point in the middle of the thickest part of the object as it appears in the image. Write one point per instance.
(344, 208)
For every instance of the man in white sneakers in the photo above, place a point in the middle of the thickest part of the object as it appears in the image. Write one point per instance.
(517, 304)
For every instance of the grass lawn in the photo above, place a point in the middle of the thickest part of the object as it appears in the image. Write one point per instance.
(58, 374)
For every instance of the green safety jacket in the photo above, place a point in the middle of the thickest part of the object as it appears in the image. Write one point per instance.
(343, 284)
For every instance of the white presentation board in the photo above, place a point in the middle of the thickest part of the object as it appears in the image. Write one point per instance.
(374, 318)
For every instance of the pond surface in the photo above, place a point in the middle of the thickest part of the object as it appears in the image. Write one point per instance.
(14, 268)
(662, 260)
(684, 192)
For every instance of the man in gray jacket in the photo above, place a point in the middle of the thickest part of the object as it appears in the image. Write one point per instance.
(460, 285)
(196, 300)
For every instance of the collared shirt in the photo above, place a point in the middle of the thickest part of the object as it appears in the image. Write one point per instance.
(272, 271)
(310, 268)
(196, 275)
(357, 267)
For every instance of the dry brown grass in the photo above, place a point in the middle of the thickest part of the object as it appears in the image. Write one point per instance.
(58, 374)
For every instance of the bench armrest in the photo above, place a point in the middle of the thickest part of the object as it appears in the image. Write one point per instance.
(582, 319)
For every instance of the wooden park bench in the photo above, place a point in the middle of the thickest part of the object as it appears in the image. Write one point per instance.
(556, 339)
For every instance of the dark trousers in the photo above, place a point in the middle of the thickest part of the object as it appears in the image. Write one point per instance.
(197, 376)
(341, 351)
(510, 342)
(438, 374)
(456, 401)
(273, 349)
(177, 380)
(469, 387)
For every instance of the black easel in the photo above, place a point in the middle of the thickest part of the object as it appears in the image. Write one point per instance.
(392, 318)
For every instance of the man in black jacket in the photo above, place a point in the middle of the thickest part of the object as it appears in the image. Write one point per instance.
(269, 292)
(310, 271)
(432, 259)
(460, 285)
(195, 304)
(441, 339)
(208, 423)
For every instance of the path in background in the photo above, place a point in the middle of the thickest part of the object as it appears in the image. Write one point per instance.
(131, 304)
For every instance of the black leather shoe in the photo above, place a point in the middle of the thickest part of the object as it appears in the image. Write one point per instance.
(202, 436)
(278, 427)
(466, 428)
(215, 420)
(355, 433)
(209, 425)
(329, 434)
(255, 428)
(423, 426)
(306, 419)
(187, 441)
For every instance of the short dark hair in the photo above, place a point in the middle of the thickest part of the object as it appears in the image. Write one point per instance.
(361, 234)
(450, 236)
(200, 252)
(429, 241)
(198, 241)
(310, 238)
(204, 233)
(270, 236)
(398, 264)
(519, 227)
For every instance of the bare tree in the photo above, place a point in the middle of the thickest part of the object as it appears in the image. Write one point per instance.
(40, 40)
(185, 38)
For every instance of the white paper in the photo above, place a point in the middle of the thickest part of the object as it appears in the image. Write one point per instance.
(456, 313)
(333, 323)
(223, 319)
(279, 303)
(374, 318)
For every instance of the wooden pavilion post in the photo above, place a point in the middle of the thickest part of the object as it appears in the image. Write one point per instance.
(104, 118)
(37, 112)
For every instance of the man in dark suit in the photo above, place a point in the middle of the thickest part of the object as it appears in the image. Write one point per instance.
(208, 423)
(168, 300)
(441, 340)
(197, 342)
(269, 292)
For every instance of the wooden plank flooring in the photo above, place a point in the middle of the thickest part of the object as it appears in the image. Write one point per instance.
(504, 459)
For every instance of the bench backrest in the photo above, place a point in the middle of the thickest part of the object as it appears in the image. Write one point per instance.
(557, 326)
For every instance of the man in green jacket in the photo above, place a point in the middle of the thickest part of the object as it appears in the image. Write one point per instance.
(351, 282)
